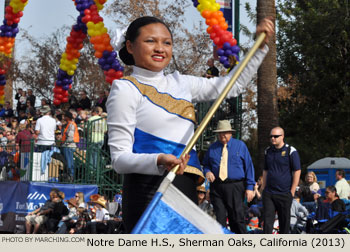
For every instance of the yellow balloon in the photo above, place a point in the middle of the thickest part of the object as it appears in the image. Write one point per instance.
(90, 25)
(70, 72)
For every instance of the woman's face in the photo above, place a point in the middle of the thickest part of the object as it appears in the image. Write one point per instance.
(309, 178)
(330, 195)
(153, 48)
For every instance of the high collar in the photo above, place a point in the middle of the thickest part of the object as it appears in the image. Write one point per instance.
(145, 75)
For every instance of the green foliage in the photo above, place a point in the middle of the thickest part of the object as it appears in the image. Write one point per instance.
(314, 62)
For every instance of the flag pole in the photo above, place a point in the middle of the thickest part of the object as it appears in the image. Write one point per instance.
(219, 100)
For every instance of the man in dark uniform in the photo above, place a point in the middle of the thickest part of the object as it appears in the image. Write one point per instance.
(280, 178)
(229, 168)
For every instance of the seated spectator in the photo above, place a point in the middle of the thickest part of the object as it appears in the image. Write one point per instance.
(79, 196)
(99, 224)
(68, 221)
(40, 215)
(332, 197)
(55, 215)
(81, 224)
(311, 181)
(203, 203)
(298, 212)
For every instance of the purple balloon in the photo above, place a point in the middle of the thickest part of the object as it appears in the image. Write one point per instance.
(235, 49)
(65, 87)
(114, 54)
(227, 64)
(2, 82)
(101, 61)
(220, 52)
(105, 54)
(226, 46)
(106, 67)
(228, 52)
(223, 59)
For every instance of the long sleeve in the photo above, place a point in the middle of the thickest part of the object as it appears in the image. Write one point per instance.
(204, 89)
(122, 108)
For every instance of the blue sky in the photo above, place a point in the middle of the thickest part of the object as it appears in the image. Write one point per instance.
(42, 17)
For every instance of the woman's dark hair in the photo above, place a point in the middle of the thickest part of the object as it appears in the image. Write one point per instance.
(332, 188)
(133, 32)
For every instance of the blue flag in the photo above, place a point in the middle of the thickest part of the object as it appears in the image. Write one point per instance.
(171, 212)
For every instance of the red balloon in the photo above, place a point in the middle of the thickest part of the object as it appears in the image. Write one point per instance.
(216, 28)
(119, 74)
(212, 35)
(56, 102)
(65, 100)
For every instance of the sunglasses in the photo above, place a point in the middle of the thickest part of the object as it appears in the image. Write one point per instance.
(275, 136)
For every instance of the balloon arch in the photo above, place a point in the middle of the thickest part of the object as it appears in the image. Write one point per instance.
(89, 22)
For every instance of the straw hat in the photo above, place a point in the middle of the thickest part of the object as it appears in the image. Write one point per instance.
(72, 201)
(201, 189)
(224, 126)
(97, 199)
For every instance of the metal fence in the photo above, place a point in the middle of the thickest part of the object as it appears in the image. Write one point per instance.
(87, 163)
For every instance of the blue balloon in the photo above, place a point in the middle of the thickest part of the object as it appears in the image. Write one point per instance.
(65, 87)
(227, 64)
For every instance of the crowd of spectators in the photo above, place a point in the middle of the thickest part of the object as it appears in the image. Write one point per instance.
(97, 216)
(17, 126)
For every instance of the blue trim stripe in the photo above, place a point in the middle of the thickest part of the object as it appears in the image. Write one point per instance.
(147, 143)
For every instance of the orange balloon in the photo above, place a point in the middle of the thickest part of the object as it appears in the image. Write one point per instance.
(223, 25)
(221, 19)
(210, 29)
(206, 14)
(98, 54)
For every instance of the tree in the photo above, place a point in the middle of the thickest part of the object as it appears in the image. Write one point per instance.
(314, 70)
(267, 86)
(191, 46)
(38, 68)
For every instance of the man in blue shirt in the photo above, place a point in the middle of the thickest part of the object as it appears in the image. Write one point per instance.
(228, 189)
(280, 178)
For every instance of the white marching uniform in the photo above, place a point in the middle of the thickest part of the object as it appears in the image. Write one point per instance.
(151, 113)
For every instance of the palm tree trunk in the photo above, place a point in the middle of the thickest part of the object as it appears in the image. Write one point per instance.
(267, 86)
